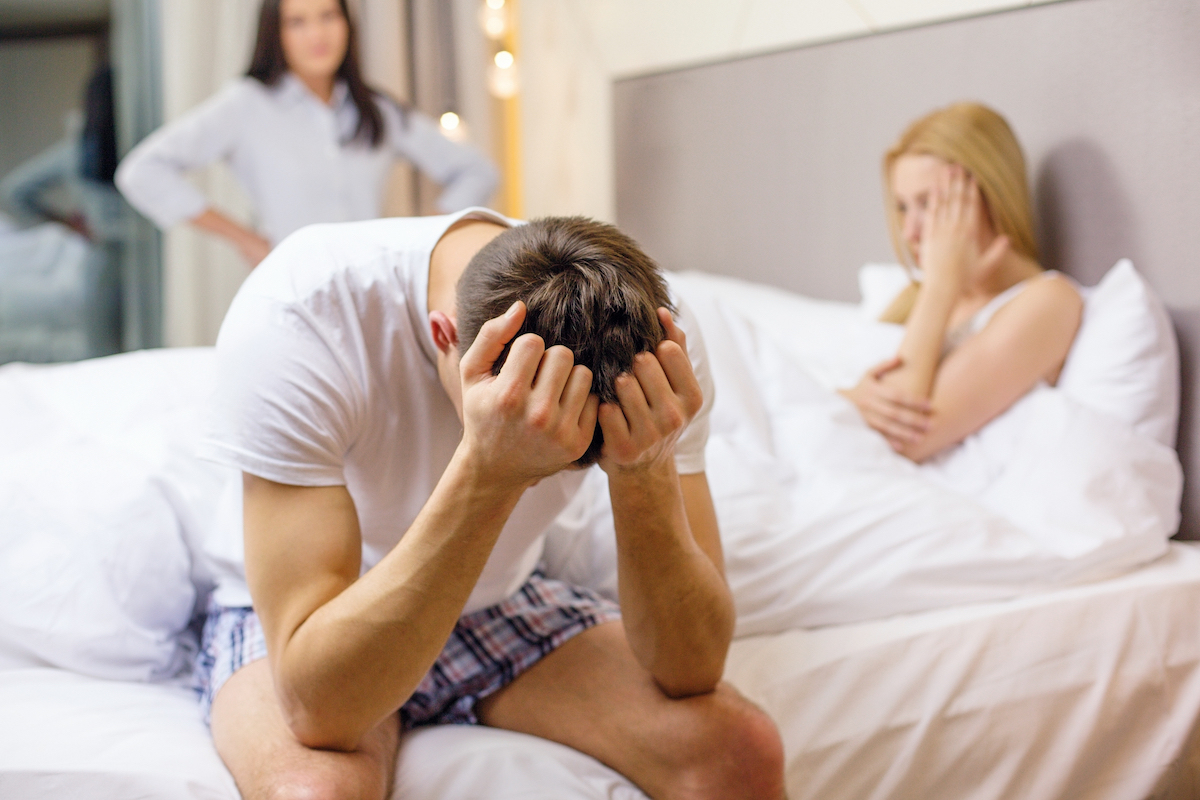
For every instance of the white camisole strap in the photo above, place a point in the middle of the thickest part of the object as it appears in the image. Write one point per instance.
(979, 320)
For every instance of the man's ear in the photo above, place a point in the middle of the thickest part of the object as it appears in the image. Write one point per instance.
(444, 330)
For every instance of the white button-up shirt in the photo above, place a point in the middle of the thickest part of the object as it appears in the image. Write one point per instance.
(295, 157)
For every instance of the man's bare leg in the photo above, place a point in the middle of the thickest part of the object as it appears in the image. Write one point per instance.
(592, 695)
(267, 762)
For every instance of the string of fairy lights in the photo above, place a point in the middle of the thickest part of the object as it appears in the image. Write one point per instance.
(502, 74)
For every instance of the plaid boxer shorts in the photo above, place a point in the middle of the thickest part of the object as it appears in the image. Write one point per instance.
(487, 650)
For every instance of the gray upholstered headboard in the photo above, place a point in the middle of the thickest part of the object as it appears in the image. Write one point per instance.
(768, 167)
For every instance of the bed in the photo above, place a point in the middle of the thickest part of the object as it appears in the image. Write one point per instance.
(1100, 704)
(1067, 687)
(1075, 680)
(58, 299)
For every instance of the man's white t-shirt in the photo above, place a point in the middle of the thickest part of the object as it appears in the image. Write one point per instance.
(326, 376)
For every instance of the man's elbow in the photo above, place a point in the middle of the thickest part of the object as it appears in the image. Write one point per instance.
(317, 726)
(678, 687)
(317, 734)
(699, 672)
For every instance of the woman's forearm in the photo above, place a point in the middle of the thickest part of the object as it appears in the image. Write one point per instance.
(921, 348)
(249, 243)
(215, 222)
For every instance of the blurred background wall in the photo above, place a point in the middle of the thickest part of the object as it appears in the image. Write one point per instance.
(529, 83)
(43, 79)
(572, 50)
(79, 272)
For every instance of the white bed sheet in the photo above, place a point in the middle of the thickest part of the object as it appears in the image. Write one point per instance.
(1085, 693)
(823, 524)
(1088, 693)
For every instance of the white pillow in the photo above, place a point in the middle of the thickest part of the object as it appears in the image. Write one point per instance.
(823, 524)
(832, 339)
(879, 284)
(99, 498)
(1125, 360)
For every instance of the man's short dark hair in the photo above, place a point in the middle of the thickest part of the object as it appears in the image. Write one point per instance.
(586, 286)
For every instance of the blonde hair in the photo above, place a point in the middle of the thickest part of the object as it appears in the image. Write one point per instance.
(978, 139)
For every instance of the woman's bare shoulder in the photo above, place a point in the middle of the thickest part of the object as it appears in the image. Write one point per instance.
(1039, 323)
(1049, 300)
(1057, 285)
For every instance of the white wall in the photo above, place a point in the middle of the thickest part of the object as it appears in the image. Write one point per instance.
(572, 50)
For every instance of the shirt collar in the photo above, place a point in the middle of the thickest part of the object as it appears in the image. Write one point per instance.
(341, 94)
(293, 89)
(420, 277)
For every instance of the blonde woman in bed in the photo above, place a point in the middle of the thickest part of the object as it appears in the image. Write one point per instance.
(986, 323)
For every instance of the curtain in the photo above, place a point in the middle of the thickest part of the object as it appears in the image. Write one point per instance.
(137, 95)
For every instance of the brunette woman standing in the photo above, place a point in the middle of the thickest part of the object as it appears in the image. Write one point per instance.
(306, 137)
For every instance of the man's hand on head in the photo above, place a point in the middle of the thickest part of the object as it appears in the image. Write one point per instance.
(535, 417)
(656, 401)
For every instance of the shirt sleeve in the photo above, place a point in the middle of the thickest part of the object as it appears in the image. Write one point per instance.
(286, 405)
(151, 176)
(689, 450)
(22, 189)
(468, 178)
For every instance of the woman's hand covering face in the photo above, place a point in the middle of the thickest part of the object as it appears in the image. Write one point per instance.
(958, 243)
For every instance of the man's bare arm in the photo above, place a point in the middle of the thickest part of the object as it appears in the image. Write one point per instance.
(678, 611)
(347, 651)
(677, 608)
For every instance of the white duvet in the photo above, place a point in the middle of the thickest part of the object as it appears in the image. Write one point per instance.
(823, 524)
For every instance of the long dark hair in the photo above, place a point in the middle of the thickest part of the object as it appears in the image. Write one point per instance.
(268, 65)
(98, 144)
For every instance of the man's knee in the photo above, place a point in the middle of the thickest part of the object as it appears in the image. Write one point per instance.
(735, 752)
(324, 784)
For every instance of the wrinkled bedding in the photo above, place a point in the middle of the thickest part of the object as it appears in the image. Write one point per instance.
(823, 524)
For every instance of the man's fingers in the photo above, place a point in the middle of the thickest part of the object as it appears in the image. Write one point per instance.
(611, 419)
(554, 369)
(652, 378)
(672, 355)
(673, 360)
(577, 388)
(490, 341)
(589, 416)
(632, 398)
(578, 403)
(673, 331)
(524, 360)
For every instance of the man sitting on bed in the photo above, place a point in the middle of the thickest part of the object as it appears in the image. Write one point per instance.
(407, 421)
